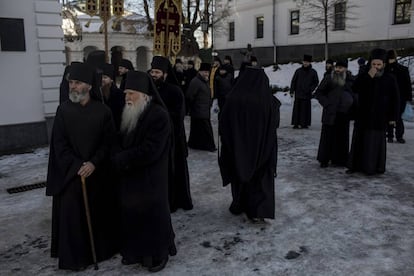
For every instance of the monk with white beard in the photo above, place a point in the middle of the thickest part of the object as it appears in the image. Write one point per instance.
(142, 160)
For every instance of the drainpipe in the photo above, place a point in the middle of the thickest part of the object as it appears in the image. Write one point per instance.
(274, 32)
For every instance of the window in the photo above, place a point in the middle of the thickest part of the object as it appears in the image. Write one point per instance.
(12, 35)
(339, 23)
(402, 12)
(294, 22)
(231, 31)
(259, 26)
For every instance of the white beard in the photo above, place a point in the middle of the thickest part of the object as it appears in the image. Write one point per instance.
(131, 114)
(77, 97)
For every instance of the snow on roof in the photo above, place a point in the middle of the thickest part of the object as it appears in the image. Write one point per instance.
(94, 24)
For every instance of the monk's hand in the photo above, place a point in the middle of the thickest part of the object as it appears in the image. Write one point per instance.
(87, 169)
(392, 123)
(372, 71)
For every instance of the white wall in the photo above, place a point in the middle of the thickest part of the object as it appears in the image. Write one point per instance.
(29, 80)
(373, 21)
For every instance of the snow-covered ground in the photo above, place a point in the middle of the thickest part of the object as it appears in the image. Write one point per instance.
(336, 224)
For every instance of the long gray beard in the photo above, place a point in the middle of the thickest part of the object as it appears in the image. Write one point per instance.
(338, 78)
(131, 114)
(77, 97)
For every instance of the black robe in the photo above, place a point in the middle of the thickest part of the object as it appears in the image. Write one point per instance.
(115, 101)
(303, 83)
(199, 99)
(179, 183)
(337, 102)
(80, 134)
(248, 126)
(143, 162)
(378, 104)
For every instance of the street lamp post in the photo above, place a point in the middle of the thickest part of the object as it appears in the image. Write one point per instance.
(204, 28)
(105, 9)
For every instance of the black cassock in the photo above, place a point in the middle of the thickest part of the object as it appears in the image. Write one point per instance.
(116, 102)
(80, 134)
(143, 162)
(378, 104)
(179, 183)
(248, 158)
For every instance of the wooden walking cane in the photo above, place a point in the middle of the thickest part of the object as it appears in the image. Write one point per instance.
(88, 219)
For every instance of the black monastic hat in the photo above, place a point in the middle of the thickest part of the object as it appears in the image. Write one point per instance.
(161, 63)
(378, 54)
(82, 72)
(107, 70)
(204, 66)
(307, 58)
(127, 64)
(138, 81)
(342, 62)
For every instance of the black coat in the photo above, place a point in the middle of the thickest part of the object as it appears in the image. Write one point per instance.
(334, 98)
(198, 97)
(378, 101)
(179, 184)
(402, 75)
(304, 82)
(143, 162)
(223, 87)
(80, 134)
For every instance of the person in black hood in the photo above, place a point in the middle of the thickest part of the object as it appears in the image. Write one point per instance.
(123, 68)
(171, 94)
(224, 83)
(329, 67)
(402, 75)
(303, 83)
(147, 235)
(248, 157)
(113, 97)
(229, 61)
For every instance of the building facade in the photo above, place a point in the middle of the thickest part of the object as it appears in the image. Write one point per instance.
(283, 30)
(127, 37)
(31, 66)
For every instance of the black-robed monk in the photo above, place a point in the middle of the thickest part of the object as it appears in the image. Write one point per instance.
(143, 162)
(81, 137)
(173, 97)
(248, 125)
(378, 106)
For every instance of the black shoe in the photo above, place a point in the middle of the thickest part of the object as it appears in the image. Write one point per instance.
(295, 127)
(158, 266)
(390, 140)
(401, 141)
(305, 127)
(349, 171)
(324, 164)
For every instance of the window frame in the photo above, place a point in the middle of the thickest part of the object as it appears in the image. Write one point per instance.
(259, 27)
(232, 31)
(339, 16)
(405, 17)
(292, 22)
